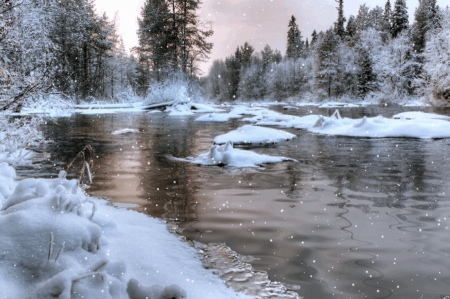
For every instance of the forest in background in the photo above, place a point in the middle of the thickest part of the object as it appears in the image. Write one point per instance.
(376, 56)
(64, 49)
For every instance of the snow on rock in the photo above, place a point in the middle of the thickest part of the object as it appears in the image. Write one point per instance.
(124, 131)
(254, 135)
(377, 127)
(420, 115)
(226, 155)
(57, 242)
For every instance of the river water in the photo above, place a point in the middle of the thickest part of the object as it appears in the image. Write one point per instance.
(354, 218)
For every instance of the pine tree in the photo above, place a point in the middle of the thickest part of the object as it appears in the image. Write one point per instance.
(294, 47)
(426, 19)
(328, 68)
(313, 37)
(399, 18)
(154, 35)
(193, 46)
(267, 57)
(339, 25)
(351, 26)
(233, 64)
(363, 18)
(365, 74)
(246, 53)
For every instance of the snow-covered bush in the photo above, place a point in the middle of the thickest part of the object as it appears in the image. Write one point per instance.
(16, 135)
(177, 90)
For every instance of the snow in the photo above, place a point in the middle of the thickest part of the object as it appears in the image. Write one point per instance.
(381, 127)
(55, 240)
(217, 117)
(273, 118)
(227, 155)
(124, 131)
(253, 135)
(338, 105)
(419, 115)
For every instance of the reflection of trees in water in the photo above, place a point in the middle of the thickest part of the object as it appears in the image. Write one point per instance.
(396, 169)
(169, 187)
(70, 135)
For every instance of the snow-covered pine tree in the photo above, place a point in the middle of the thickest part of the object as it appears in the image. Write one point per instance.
(313, 37)
(425, 19)
(376, 18)
(399, 20)
(363, 18)
(267, 57)
(328, 67)
(351, 27)
(246, 52)
(339, 28)
(233, 64)
(365, 74)
(294, 46)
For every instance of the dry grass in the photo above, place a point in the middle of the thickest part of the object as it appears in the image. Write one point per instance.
(86, 158)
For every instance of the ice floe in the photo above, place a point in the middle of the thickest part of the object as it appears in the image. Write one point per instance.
(254, 135)
(124, 131)
(227, 155)
(378, 127)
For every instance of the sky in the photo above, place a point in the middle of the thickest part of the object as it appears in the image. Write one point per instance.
(260, 22)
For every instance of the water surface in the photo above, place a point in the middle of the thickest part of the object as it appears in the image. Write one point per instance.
(355, 218)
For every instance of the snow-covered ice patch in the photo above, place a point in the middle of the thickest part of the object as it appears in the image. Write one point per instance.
(254, 135)
(124, 131)
(420, 115)
(217, 117)
(272, 118)
(226, 155)
(338, 105)
(380, 127)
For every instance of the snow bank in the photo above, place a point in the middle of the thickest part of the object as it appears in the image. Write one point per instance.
(376, 127)
(56, 242)
(226, 155)
(254, 135)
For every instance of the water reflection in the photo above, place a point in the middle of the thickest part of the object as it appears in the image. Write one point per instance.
(355, 218)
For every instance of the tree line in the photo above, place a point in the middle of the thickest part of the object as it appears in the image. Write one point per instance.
(60, 47)
(376, 54)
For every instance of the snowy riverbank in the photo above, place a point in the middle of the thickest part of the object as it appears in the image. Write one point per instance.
(56, 241)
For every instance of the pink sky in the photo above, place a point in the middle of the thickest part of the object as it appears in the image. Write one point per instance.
(259, 22)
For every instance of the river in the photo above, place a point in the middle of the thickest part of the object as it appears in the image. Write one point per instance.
(354, 218)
